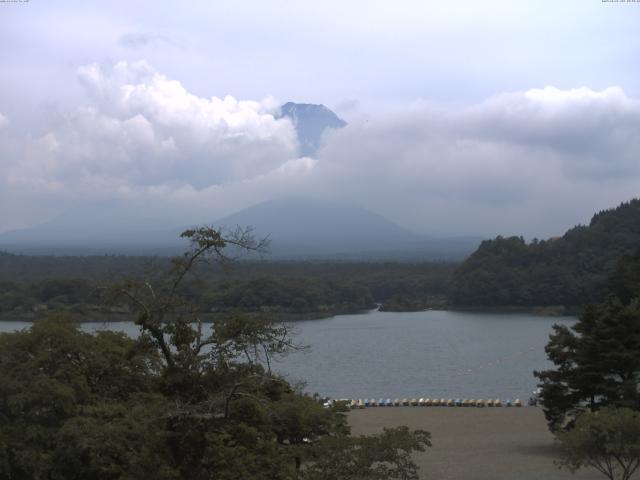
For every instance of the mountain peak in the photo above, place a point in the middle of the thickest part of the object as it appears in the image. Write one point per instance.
(310, 121)
(308, 227)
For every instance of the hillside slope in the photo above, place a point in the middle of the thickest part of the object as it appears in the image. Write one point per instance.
(303, 227)
(298, 227)
(571, 270)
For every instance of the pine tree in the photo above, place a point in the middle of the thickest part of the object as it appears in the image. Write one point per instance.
(598, 359)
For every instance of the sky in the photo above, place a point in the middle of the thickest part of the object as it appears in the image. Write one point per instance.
(465, 118)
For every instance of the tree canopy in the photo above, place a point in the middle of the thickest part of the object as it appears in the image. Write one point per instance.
(608, 440)
(570, 270)
(597, 360)
(179, 402)
(281, 290)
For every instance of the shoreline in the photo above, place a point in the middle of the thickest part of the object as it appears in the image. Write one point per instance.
(538, 310)
(116, 317)
(113, 317)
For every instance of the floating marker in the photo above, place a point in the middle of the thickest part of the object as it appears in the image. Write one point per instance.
(426, 402)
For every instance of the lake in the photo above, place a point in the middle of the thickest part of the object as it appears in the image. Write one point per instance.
(418, 354)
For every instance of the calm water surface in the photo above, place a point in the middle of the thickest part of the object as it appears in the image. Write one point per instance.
(421, 354)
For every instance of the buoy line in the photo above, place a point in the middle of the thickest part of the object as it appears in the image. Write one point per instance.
(358, 404)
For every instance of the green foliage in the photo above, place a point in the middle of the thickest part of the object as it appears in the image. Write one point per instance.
(50, 375)
(115, 440)
(375, 457)
(597, 361)
(571, 270)
(607, 440)
(625, 281)
(289, 295)
(175, 403)
(285, 290)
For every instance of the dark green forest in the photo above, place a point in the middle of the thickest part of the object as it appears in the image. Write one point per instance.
(566, 271)
(176, 403)
(570, 270)
(34, 284)
(596, 360)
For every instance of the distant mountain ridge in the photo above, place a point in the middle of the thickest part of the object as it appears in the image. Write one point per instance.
(95, 228)
(308, 227)
(311, 122)
(298, 227)
(313, 221)
(570, 270)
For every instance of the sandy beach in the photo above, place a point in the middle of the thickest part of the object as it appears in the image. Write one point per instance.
(476, 443)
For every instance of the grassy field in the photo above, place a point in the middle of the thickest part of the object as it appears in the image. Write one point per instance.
(476, 443)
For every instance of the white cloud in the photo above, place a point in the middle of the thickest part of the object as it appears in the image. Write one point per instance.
(145, 129)
(142, 131)
(594, 131)
(533, 162)
(4, 121)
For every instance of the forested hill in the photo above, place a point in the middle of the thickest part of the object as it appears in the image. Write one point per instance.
(570, 270)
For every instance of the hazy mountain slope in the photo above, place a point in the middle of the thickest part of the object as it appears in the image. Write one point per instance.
(310, 121)
(319, 222)
(299, 228)
(312, 227)
(95, 228)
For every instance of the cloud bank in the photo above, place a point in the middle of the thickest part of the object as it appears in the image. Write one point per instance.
(533, 162)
